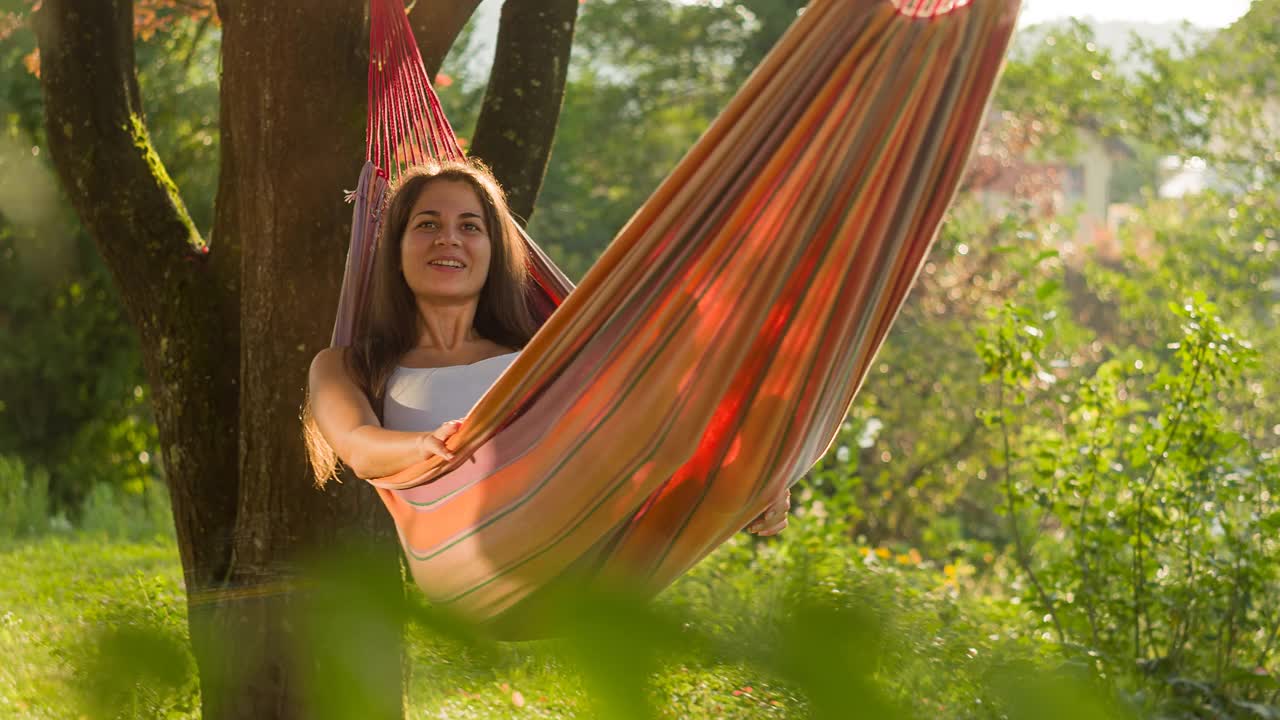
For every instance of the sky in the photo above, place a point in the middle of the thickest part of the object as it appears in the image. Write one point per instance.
(1205, 13)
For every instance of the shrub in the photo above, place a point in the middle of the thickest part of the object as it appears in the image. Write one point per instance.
(1144, 514)
(24, 499)
(123, 515)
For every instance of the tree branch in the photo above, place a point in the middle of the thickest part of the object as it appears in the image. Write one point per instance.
(526, 89)
(100, 144)
(436, 25)
(129, 205)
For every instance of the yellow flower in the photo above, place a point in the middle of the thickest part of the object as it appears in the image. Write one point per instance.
(949, 571)
(883, 553)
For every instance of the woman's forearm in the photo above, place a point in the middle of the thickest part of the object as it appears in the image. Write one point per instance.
(373, 451)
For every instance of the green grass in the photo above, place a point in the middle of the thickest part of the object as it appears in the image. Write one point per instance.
(59, 591)
(535, 680)
(54, 593)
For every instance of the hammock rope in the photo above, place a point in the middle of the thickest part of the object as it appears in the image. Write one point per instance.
(709, 357)
(406, 123)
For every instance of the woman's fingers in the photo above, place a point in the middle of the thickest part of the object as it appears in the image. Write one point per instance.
(773, 529)
(777, 509)
(447, 430)
(774, 518)
(430, 444)
(764, 528)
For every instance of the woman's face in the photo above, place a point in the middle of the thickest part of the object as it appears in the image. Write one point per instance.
(445, 249)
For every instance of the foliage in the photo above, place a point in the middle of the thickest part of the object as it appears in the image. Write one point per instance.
(119, 514)
(913, 437)
(73, 397)
(24, 500)
(645, 79)
(1222, 246)
(1218, 99)
(107, 511)
(1153, 519)
(1062, 84)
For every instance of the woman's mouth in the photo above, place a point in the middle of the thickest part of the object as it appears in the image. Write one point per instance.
(447, 265)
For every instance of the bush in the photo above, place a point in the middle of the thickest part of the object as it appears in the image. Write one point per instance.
(73, 398)
(123, 515)
(24, 499)
(1144, 515)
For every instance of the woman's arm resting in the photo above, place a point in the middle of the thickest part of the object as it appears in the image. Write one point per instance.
(347, 421)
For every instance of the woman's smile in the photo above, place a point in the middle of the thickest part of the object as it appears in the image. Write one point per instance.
(447, 264)
(446, 247)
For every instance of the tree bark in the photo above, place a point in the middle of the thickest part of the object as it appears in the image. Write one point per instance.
(227, 331)
(436, 25)
(173, 291)
(517, 122)
(292, 139)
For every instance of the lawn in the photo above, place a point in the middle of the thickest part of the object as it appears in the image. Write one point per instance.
(57, 591)
(920, 656)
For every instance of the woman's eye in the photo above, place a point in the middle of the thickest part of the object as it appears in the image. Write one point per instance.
(471, 227)
(429, 224)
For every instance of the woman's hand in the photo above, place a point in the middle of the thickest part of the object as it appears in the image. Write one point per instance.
(432, 443)
(774, 518)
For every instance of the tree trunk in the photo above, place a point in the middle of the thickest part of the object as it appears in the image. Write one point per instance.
(227, 331)
(526, 90)
(292, 125)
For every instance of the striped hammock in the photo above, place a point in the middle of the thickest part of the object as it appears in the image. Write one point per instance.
(709, 357)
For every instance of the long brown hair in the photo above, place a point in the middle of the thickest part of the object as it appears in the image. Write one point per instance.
(389, 326)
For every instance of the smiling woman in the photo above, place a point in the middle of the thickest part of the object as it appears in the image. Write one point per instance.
(447, 316)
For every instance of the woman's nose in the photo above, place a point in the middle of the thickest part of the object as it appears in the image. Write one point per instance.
(447, 237)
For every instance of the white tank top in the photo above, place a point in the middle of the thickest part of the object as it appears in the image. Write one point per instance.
(423, 399)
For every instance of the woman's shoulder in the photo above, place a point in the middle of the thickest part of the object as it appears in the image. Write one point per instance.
(331, 362)
(330, 356)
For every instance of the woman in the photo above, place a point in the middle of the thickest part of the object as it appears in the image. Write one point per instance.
(447, 316)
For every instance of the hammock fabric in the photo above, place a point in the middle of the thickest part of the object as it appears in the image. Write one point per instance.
(709, 357)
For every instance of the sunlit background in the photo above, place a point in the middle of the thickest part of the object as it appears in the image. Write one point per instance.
(1206, 14)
